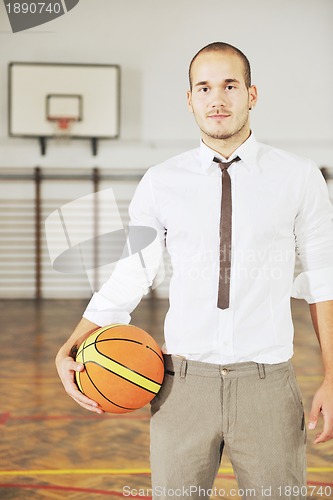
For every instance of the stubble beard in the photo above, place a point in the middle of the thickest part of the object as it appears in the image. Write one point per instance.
(217, 136)
(225, 135)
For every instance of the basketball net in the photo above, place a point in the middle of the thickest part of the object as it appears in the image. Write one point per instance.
(62, 128)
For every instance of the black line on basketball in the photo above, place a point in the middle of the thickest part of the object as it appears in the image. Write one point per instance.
(129, 340)
(97, 389)
(120, 338)
(93, 341)
(157, 354)
(107, 340)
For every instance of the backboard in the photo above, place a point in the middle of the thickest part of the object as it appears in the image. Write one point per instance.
(85, 95)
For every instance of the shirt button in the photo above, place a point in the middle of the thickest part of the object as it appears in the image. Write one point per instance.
(225, 371)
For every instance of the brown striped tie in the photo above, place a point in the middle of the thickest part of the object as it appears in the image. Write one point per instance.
(225, 234)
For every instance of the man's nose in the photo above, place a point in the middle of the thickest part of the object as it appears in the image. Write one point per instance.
(218, 99)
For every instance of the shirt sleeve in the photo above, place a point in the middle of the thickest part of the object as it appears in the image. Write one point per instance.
(314, 241)
(134, 274)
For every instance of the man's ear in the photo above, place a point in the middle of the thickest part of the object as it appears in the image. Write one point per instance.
(189, 101)
(253, 96)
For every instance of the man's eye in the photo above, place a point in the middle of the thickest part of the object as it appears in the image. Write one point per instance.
(230, 87)
(204, 90)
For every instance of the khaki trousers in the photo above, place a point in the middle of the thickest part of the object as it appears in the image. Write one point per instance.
(252, 410)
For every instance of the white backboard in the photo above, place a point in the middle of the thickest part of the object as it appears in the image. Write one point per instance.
(35, 89)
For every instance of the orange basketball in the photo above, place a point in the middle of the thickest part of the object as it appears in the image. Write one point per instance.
(124, 368)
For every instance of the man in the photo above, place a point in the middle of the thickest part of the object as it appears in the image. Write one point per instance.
(231, 232)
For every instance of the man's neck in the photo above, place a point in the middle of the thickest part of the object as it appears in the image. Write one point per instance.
(225, 147)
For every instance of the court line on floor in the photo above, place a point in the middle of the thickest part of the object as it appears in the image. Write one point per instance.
(59, 472)
(120, 472)
(103, 492)
(54, 487)
(8, 417)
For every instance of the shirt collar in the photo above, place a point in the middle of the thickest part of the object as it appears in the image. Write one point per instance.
(248, 153)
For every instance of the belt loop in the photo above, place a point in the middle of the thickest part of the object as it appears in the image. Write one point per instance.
(261, 370)
(183, 368)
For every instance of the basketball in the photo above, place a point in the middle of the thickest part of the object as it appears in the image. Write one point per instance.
(124, 368)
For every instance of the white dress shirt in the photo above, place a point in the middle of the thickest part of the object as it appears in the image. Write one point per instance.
(280, 205)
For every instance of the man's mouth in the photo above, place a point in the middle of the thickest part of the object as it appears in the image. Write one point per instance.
(218, 116)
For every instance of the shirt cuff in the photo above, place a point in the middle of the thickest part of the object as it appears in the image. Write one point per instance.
(102, 312)
(314, 286)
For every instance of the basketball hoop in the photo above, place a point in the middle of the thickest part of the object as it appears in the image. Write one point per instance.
(62, 126)
(62, 110)
(64, 123)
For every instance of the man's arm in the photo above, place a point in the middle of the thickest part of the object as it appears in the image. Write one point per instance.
(322, 319)
(67, 366)
(314, 245)
(118, 297)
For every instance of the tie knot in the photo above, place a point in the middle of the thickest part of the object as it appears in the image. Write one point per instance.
(226, 164)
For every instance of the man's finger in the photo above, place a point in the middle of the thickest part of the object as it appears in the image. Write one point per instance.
(73, 392)
(89, 407)
(314, 415)
(72, 389)
(87, 403)
(74, 366)
(327, 432)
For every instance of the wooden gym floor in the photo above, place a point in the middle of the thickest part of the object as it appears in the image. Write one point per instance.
(50, 448)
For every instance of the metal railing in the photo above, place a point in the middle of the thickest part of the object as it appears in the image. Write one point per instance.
(38, 176)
